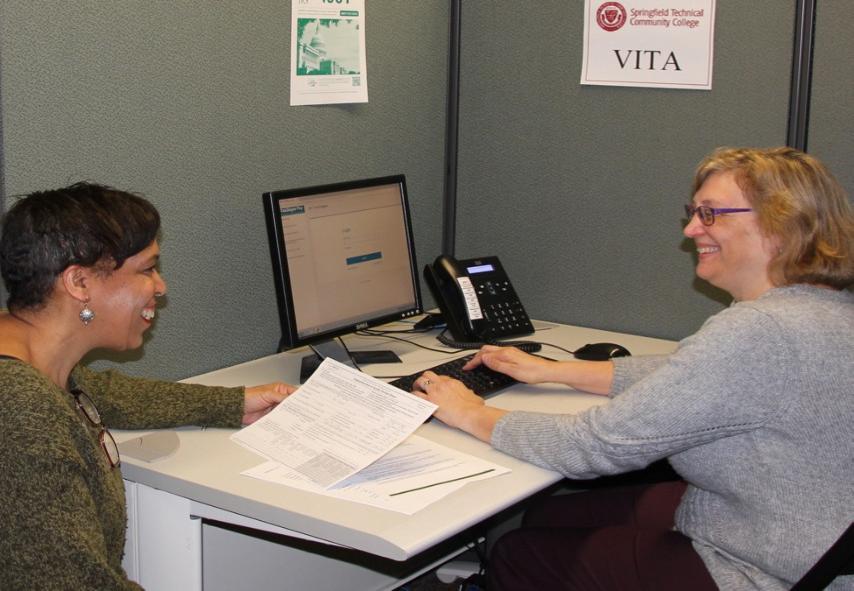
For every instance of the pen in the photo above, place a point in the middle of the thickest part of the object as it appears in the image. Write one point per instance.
(403, 492)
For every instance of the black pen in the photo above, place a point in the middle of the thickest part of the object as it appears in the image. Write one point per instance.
(403, 492)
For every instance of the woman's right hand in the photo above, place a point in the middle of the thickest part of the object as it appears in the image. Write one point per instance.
(517, 364)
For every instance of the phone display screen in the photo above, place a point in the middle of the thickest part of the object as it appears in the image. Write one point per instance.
(480, 269)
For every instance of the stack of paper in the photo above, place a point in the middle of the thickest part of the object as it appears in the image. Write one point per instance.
(340, 434)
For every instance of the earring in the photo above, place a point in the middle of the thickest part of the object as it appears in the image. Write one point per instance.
(86, 314)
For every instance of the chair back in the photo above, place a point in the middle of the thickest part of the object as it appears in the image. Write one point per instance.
(837, 561)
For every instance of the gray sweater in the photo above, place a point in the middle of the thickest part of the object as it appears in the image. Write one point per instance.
(755, 411)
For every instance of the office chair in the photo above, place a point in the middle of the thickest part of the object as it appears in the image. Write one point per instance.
(836, 562)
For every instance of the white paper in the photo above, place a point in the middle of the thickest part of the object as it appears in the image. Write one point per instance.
(328, 63)
(414, 474)
(470, 297)
(649, 43)
(335, 424)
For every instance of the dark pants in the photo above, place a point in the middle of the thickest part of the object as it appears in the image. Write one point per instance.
(617, 539)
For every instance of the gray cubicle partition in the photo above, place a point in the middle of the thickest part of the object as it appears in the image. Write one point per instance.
(187, 103)
(579, 189)
(831, 128)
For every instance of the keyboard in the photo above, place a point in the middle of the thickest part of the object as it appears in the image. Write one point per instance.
(481, 380)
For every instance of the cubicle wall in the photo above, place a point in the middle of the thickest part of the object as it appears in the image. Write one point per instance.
(579, 189)
(187, 102)
(831, 130)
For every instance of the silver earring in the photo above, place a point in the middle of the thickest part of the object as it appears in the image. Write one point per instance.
(86, 314)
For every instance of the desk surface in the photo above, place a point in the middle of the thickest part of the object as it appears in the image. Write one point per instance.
(206, 468)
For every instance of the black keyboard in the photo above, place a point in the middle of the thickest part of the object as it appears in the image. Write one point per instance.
(481, 380)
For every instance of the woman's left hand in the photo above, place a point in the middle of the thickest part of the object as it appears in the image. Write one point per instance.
(259, 400)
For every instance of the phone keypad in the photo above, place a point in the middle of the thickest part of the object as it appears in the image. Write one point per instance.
(508, 317)
(502, 308)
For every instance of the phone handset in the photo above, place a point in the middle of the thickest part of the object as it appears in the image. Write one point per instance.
(473, 313)
(457, 298)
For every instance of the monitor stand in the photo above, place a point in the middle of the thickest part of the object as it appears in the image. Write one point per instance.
(335, 349)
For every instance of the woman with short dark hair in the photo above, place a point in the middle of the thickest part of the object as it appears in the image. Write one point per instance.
(81, 267)
(754, 411)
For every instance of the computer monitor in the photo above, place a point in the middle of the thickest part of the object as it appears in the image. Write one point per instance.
(343, 260)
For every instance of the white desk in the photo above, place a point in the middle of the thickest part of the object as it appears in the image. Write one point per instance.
(171, 502)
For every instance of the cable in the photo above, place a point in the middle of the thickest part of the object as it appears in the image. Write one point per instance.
(559, 347)
(458, 346)
(371, 331)
(526, 346)
(385, 334)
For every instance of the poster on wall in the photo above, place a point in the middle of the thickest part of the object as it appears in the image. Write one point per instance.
(328, 64)
(650, 43)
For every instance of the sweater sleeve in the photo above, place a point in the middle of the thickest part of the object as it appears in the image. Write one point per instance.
(137, 403)
(724, 380)
(628, 370)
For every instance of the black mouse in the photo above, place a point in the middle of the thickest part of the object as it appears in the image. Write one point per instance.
(601, 352)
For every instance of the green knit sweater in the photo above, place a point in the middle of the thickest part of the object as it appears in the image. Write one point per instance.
(62, 509)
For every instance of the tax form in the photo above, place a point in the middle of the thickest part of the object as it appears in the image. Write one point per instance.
(338, 422)
(411, 476)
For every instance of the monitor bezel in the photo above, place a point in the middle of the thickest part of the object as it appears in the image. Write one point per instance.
(290, 338)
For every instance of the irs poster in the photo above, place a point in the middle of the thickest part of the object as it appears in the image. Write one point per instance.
(651, 43)
(328, 63)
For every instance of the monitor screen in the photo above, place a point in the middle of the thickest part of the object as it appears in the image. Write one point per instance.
(343, 258)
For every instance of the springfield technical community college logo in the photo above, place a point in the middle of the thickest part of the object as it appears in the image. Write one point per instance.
(611, 16)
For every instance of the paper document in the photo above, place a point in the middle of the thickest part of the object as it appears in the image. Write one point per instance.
(642, 43)
(338, 422)
(328, 59)
(411, 476)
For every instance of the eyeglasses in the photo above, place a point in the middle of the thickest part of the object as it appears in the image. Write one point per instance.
(707, 214)
(105, 438)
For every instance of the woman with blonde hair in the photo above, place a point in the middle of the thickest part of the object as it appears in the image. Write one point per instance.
(754, 411)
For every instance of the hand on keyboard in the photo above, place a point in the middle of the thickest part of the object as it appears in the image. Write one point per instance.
(481, 380)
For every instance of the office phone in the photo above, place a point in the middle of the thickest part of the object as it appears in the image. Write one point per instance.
(477, 300)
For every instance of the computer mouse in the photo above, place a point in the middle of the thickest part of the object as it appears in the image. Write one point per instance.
(601, 351)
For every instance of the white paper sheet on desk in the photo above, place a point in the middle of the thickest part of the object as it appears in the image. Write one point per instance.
(416, 473)
(338, 422)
